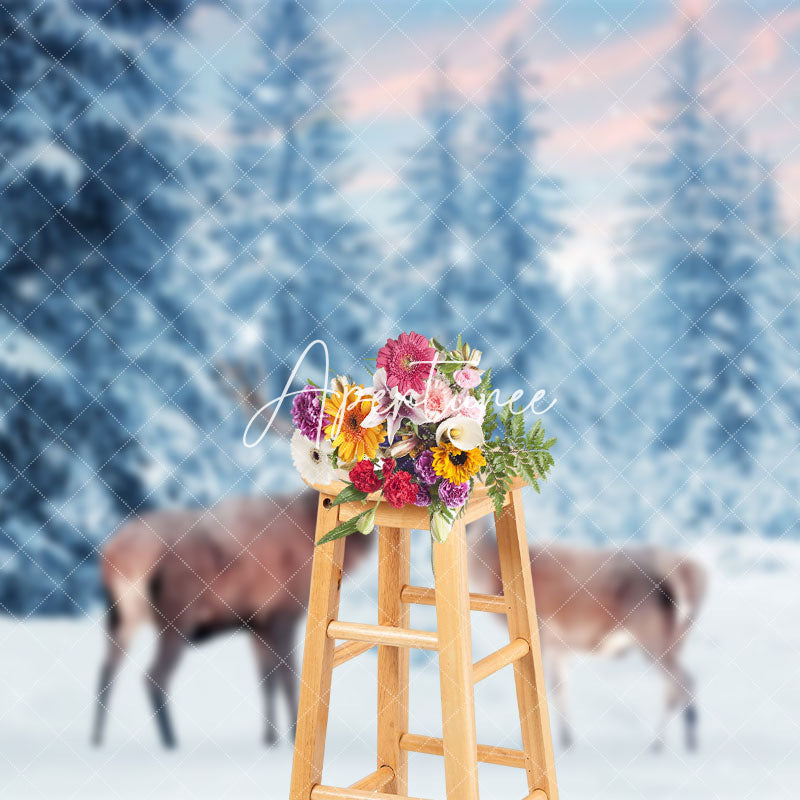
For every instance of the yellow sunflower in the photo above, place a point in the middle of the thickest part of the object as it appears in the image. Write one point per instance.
(347, 409)
(457, 466)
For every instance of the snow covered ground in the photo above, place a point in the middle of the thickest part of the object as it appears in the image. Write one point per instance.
(744, 653)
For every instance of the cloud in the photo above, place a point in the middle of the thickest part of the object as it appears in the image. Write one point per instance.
(627, 55)
(769, 41)
(511, 22)
(594, 141)
(474, 61)
(624, 68)
(471, 56)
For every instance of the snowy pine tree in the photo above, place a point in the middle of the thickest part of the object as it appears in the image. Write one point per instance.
(88, 278)
(437, 246)
(694, 227)
(775, 281)
(300, 252)
(517, 203)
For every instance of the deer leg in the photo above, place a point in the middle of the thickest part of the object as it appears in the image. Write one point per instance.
(690, 720)
(270, 686)
(270, 682)
(119, 637)
(689, 709)
(284, 667)
(558, 663)
(287, 670)
(266, 660)
(678, 695)
(290, 679)
(169, 650)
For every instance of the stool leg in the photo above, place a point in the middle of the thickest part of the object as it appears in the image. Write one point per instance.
(393, 574)
(515, 568)
(315, 681)
(455, 666)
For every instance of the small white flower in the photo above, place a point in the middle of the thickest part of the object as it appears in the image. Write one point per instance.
(440, 528)
(312, 462)
(463, 432)
(366, 523)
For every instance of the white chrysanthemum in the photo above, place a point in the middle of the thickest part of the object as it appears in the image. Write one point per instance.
(312, 462)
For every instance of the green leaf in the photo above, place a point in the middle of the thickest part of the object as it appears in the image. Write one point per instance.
(344, 529)
(498, 495)
(348, 495)
(518, 428)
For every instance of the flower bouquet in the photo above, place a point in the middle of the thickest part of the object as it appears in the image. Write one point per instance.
(423, 434)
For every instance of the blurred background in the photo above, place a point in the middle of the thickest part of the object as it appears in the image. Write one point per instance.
(601, 196)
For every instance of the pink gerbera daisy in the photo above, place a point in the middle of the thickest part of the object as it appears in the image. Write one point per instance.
(407, 361)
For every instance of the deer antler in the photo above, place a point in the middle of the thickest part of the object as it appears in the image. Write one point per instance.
(233, 378)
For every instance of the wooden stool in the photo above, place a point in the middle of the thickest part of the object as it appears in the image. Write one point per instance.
(393, 637)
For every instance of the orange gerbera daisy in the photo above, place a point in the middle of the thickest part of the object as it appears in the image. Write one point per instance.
(347, 410)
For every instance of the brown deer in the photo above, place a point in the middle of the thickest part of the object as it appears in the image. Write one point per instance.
(606, 601)
(243, 564)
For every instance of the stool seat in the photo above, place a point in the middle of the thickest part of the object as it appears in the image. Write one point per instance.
(452, 640)
(479, 505)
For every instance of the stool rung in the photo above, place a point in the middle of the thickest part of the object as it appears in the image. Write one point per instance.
(344, 652)
(504, 756)
(383, 634)
(493, 603)
(331, 642)
(320, 792)
(375, 781)
(512, 652)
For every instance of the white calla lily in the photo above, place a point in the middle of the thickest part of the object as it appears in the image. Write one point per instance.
(463, 432)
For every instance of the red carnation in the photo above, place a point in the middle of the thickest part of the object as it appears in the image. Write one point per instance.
(388, 466)
(399, 490)
(364, 478)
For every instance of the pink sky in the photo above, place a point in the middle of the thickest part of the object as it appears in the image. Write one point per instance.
(623, 66)
(602, 94)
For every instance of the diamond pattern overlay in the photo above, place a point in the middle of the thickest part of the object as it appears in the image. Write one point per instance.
(598, 195)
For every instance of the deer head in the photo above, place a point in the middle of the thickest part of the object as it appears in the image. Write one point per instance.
(233, 379)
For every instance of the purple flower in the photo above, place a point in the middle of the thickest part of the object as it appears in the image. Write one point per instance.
(307, 410)
(454, 495)
(406, 463)
(423, 466)
(423, 496)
